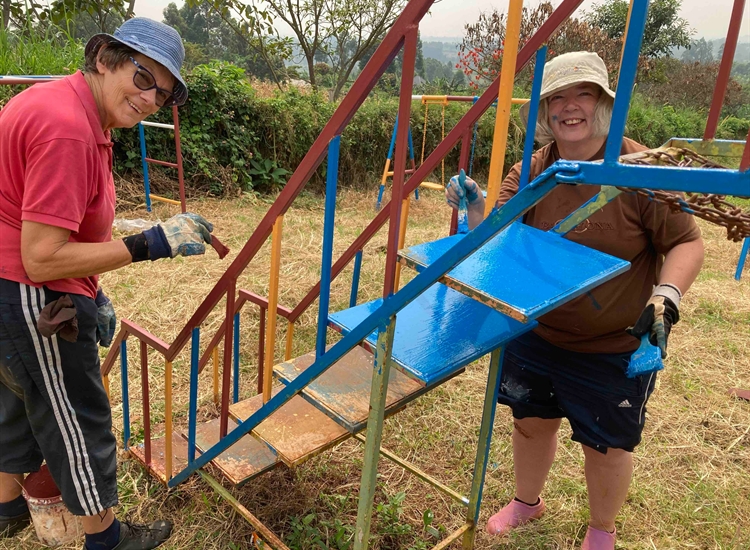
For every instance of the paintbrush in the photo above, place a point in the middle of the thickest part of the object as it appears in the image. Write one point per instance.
(646, 359)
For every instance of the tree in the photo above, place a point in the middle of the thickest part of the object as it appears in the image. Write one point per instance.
(338, 33)
(664, 30)
(699, 51)
(480, 54)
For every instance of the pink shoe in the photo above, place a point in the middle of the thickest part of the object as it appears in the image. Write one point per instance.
(597, 539)
(512, 515)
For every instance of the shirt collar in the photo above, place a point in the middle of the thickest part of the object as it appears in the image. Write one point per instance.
(82, 90)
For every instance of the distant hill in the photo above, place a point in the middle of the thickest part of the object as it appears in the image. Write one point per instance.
(741, 55)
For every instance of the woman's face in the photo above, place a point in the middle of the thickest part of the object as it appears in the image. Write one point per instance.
(124, 104)
(571, 113)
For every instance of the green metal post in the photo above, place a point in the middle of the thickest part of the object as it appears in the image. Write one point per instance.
(378, 391)
(483, 445)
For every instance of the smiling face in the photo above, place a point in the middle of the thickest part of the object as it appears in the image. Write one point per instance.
(571, 113)
(123, 104)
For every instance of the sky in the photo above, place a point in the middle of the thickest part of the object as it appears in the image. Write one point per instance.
(448, 17)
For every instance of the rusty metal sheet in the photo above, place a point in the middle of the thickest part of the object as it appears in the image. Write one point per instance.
(344, 389)
(741, 394)
(158, 463)
(244, 460)
(297, 431)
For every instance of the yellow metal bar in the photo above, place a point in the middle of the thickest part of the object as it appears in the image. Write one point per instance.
(519, 100)
(505, 95)
(385, 171)
(446, 542)
(435, 99)
(168, 419)
(265, 533)
(164, 199)
(289, 340)
(431, 185)
(216, 375)
(458, 497)
(273, 302)
(105, 381)
(627, 24)
(401, 237)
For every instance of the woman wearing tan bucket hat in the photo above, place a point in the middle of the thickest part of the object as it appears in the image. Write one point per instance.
(573, 365)
(57, 204)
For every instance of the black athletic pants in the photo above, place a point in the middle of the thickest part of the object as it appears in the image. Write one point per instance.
(52, 401)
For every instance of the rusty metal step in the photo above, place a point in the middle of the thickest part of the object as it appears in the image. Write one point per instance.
(297, 431)
(343, 391)
(244, 460)
(157, 465)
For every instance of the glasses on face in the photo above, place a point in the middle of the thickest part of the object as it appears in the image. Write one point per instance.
(145, 81)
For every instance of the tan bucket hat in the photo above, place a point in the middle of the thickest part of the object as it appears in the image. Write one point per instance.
(567, 70)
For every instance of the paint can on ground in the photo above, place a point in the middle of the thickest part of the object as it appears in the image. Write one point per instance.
(53, 523)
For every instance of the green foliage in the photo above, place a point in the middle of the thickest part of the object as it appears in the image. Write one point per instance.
(664, 28)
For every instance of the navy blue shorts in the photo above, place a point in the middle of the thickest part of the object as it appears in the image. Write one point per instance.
(605, 408)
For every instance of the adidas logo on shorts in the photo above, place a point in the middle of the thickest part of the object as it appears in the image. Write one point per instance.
(625, 404)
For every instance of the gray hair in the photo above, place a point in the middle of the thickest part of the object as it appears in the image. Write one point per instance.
(111, 52)
(602, 118)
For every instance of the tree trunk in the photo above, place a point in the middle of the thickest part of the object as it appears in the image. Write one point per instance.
(6, 14)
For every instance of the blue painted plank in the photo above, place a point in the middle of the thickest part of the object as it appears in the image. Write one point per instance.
(523, 268)
(438, 333)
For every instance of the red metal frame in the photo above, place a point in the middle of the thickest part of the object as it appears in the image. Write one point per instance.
(400, 156)
(146, 404)
(403, 33)
(722, 80)
(178, 151)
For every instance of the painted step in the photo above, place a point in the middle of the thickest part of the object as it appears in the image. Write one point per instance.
(522, 272)
(297, 431)
(343, 391)
(242, 461)
(438, 333)
(157, 466)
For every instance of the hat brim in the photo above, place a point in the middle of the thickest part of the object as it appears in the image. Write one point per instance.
(180, 91)
(523, 111)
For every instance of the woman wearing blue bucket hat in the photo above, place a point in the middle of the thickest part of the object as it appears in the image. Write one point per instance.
(57, 205)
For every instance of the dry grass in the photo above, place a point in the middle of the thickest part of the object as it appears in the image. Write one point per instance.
(692, 481)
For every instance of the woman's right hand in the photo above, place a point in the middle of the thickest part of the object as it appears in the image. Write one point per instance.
(459, 187)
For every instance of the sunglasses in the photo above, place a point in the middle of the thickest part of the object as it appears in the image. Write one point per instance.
(145, 81)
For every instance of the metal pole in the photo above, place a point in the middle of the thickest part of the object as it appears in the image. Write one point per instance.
(125, 398)
(505, 95)
(332, 175)
(178, 149)
(725, 69)
(626, 80)
(144, 164)
(536, 92)
(273, 302)
(483, 446)
(355, 279)
(193, 404)
(236, 372)
(378, 392)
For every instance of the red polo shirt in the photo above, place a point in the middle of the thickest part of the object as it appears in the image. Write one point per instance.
(55, 169)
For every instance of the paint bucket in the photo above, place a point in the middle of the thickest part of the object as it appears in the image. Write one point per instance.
(53, 523)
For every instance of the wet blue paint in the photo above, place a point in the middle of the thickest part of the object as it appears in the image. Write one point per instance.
(439, 332)
(530, 270)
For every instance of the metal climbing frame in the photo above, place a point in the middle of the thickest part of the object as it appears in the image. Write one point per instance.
(145, 161)
(374, 324)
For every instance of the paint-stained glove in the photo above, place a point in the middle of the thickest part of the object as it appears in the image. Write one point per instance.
(106, 321)
(661, 312)
(461, 186)
(181, 235)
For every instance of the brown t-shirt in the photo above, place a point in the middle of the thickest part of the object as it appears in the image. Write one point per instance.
(630, 227)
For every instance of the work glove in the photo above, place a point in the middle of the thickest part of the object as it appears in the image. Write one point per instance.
(181, 235)
(106, 321)
(661, 312)
(460, 187)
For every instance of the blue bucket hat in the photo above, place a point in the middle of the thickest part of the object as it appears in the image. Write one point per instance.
(156, 41)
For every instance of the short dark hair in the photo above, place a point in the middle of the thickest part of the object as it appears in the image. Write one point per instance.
(111, 52)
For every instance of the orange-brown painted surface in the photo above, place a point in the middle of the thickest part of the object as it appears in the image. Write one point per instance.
(297, 431)
(158, 463)
(242, 461)
(344, 389)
